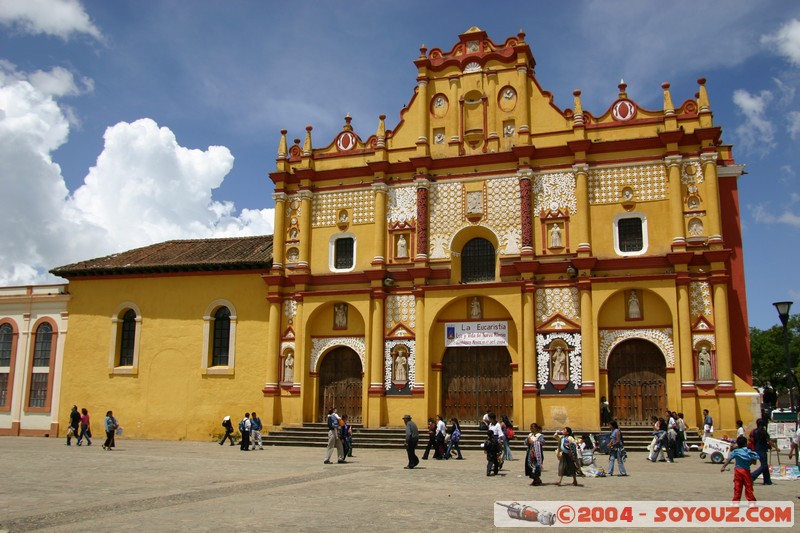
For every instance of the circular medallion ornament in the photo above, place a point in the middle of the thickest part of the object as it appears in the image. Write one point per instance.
(624, 110)
(346, 141)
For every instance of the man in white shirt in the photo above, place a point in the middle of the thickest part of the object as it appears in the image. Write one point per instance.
(441, 431)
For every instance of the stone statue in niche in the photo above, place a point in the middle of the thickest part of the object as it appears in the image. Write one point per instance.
(402, 246)
(559, 366)
(508, 130)
(343, 217)
(288, 367)
(293, 234)
(475, 312)
(696, 228)
(438, 138)
(634, 306)
(704, 372)
(340, 316)
(400, 365)
(555, 236)
(293, 255)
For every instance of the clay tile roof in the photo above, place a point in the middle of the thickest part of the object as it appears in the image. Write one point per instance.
(237, 253)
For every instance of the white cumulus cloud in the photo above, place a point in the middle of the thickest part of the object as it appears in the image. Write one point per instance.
(786, 41)
(757, 133)
(144, 188)
(61, 18)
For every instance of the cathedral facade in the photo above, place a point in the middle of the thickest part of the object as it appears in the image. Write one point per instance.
(491, 252)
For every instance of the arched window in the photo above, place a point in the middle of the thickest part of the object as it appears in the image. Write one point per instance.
(126, 331)
(477, 261)
(127, 338)
(222, 337)
(219, 338)
(6, 362)
(39, 391)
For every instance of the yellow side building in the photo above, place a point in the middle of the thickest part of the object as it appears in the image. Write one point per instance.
(490, 252)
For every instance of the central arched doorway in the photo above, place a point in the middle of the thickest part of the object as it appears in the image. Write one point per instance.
(637, 379)
(340, 377)
(476, 380)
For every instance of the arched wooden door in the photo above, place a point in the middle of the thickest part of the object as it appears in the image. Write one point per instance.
(637, 379)
(340, 377)
(476, 380)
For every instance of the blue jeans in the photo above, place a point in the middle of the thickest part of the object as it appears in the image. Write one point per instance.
(614, 456)
(453, 444)
(763, 468)
(507, 451)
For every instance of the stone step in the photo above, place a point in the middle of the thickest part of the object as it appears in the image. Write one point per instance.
(636, 438)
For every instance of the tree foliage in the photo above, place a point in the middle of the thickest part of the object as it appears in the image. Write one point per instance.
(769, 354)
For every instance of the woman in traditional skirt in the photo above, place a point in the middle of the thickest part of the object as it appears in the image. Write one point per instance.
(534, 457)
(566, 456)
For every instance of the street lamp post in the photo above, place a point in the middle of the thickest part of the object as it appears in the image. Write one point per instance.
(783, 313)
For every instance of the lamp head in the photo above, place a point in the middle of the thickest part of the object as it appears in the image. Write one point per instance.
(783, 310)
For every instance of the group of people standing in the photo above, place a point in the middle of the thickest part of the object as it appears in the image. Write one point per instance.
(80, 428)
(250, 430)
(669, 436)
(340, 437)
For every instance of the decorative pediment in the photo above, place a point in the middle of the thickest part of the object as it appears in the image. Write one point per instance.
(558, 322)
(702, 324)
(401, 331)
(288, 334)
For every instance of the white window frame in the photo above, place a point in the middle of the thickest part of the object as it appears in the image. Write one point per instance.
(332, 252)
(116, 332)
(208, 328)
(645, 243)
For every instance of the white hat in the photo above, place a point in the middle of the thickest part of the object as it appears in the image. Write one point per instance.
(227, 418)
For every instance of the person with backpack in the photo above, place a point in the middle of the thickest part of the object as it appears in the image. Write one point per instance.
(244, 428)
(508, 436)
(455, 436)
(255, 431)
(491, 447)
(334, 438)
(226, 423)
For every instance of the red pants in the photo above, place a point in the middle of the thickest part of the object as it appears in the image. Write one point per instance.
(741, 476)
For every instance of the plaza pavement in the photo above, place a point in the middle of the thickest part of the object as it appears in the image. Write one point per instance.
(201, 486)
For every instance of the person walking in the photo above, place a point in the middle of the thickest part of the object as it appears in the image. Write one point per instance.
(86, 430)
(491, 447)
(567, 456)
(431, 440)
(74, 422)
(110, 425)
(346, 436)
(412, 439)
(708, 425)
(255, 431)
(534, 457)
(762, 442)
(226, 423)
(744, 457)
(455, 435)
(334, 438)
(508, 436)
(441, 432)
(244, 428)
(617, 450)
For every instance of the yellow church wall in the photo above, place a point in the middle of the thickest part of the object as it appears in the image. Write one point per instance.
(659, 236)
(169, 397)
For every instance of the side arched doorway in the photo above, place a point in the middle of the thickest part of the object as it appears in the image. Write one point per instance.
(476, 380)
(340, 377)
(637, 379)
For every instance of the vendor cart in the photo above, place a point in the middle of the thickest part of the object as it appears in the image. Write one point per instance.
(716, 448)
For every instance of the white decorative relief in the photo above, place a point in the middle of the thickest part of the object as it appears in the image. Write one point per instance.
(321, 345)
(290, 310)
(387, 362)
(700, 299)
(326, 207)
(574, 341)
(649, 183)
(691, 172)
(704, 338)
(473, 66)
(445, 218)
(661, 337)
(556, 189)
(563, 301)
(402, 204)
(503, 212)
(401, 309)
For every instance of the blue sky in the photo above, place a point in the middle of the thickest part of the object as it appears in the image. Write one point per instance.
(124, 123)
